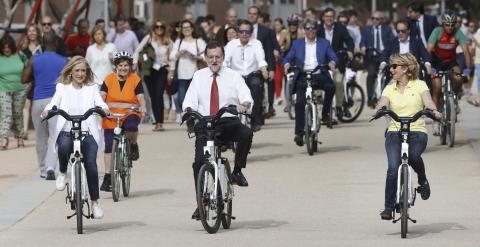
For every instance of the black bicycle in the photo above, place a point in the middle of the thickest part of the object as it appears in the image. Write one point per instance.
(77, 188)
(214, 188)
(406, 194)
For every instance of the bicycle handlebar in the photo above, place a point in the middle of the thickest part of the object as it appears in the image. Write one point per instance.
(120, 115)
(232, 109)
(384, 111)
(56, 111)
(319, 67)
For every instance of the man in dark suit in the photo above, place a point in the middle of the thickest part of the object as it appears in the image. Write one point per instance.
(405, 43)
(307, 54)
(340, 40)
(421, 24)
(265, 36)
(375, 38)
(231, 19)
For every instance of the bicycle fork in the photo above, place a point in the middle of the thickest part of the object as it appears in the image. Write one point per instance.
(408, 183)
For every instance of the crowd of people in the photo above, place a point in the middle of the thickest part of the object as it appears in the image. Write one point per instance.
(110, 65)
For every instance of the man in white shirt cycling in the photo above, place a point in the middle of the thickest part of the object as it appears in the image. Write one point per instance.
(212, 88)
(246, 56)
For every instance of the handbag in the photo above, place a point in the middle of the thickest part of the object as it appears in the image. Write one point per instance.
(146, 59)
(200, 63)
(174, 88)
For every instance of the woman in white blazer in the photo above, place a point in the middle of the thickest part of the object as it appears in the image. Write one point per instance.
(75, 93)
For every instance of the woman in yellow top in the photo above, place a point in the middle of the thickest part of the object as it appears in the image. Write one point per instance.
(405, 96)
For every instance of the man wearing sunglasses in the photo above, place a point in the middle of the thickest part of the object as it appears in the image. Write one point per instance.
(442, 46)
(405, 43)
(307, 54)
(47, 27)
(245, 56)
(375, 38)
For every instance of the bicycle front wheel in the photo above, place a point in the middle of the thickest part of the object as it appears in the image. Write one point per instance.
(78, 197)
(354, 103)
(404, 201)
(443, 126)
(309, 134)
(209, 208)
(117, 159)
(451, 119)
(127, 170)
(227, 210)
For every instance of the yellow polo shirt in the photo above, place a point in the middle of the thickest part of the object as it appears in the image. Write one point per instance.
(406, 104)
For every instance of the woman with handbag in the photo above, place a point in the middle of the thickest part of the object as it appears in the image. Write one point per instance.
(188, 52)
(152, 57)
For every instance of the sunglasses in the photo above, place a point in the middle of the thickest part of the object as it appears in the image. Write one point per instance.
(376, 18)
(293, 24)
(449, 24)
(402, 30)
(309, 28)
(394, 66)
(244, 32)
(187, 27)
(46, 24)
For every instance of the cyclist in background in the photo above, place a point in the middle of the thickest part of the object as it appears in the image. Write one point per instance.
(441, 45)
(121, 90)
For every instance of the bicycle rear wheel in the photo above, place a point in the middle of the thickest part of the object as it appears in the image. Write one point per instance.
(309, 136)
(354, 103)
(209, 208)
(451, 119)
(127, 170)
(443, 125)
(291, 108)
(78, 197)
(117, 159)
(227, 210)
(404, 202)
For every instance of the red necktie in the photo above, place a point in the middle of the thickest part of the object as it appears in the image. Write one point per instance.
(214, 101)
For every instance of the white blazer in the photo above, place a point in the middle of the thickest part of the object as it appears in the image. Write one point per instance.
(91, 98)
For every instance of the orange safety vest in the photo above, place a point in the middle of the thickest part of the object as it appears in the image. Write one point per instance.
(120, 100)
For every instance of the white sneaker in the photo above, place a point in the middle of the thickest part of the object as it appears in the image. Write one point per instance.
(179, 118)
(97, 210)
(60, 182)
(436, 128)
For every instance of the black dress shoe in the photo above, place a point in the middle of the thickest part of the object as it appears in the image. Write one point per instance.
(387, 214)
(239, 179)
(196, 214)
(298, 140)
(424, 190)
(256, 128)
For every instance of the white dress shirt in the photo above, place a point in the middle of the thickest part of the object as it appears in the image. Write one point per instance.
(422, 31)
(232, 90)
(310, 55)
(255, 31)
(244, 59)
(404, 46)
(328, 34)
(379, 30)
(66, 98)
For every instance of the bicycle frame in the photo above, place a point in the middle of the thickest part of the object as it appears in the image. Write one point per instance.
(311, 102)
(212, 152)
(404, 156)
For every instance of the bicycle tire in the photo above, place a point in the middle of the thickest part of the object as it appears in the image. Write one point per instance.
(205, 205)
(451, 119)
(443, 128)
(308, 129)
(127, 170)
(78, 197)
(115, 169)
(352, 102)
(227, 215)
(404, 202)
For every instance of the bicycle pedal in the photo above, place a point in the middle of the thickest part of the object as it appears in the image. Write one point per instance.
(319, 142)
(233, 217)
(412, 220)
(395, 221)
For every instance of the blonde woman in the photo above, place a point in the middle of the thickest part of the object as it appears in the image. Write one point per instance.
(76, 93)
(405, 96)
(156, 76)
(100, 54)
(30, 47)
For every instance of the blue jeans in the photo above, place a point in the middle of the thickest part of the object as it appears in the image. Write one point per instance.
(393, 146)
(182, 90)
(89, 149)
